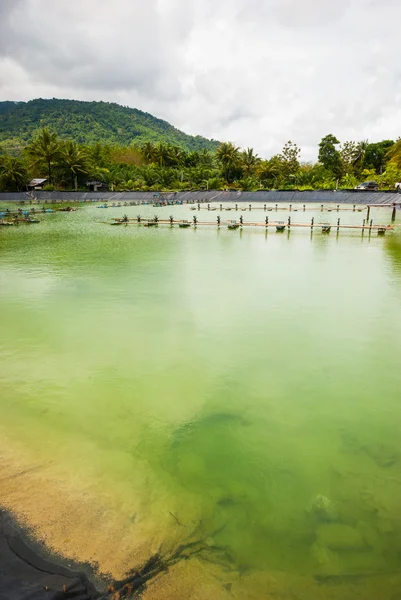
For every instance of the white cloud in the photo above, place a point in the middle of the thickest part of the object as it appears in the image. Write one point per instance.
(257, 72)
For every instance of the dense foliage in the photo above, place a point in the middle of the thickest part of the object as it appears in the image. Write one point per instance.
(89, 123)
(68, 165)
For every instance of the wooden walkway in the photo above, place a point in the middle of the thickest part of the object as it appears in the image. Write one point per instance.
(259, 224)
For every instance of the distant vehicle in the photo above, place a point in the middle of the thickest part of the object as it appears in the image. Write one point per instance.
(367, 185)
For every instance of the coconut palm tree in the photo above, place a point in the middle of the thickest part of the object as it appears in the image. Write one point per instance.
(162, 152)
(360, 151)
(149, 175)
(176, 156)
(45, 148)
(149, 153)
(249, 161)
(13, 174)
(74, 160)
(228, 156)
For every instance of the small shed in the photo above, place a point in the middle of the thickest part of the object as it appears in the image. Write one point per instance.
(37, 184)
(97, 186)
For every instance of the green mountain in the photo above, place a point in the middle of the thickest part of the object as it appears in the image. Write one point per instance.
(90, 123)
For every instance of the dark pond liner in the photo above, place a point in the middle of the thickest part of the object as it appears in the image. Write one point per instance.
(26, 575)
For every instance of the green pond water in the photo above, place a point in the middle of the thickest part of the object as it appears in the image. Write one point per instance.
(244, 380)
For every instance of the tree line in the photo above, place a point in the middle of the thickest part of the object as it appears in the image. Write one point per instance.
(151, 166)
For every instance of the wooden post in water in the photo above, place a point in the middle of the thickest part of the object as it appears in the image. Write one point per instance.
(312, 222)
(208, 206)
(139, 218)
(353, 210)
(370, 225)
(321, 208)
(236, 207)
(267, 221)
(264, 208)
(198, 206)
(276, 206)
(195, 219)
(290, 207)
(221, 207)
(171, 219)
(241, 219)
(368, 214)
(289, 222)
(338, 207)
(304, 207)
(250, 207)
(393, 214)
(338, 225)
(218, 220)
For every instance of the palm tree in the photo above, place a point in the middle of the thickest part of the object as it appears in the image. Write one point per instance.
(249, 161)
(46, 148)
(149, 175)
(74, 160)
(360, 151)
(206, 158)
(248, 184)
(228, 156)
(176, 156)
(149, 152)
(162, 152)
(13, 174)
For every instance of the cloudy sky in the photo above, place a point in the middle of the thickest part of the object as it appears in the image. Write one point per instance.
(256, 72)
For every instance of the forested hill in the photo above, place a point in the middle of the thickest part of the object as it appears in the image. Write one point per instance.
(90, 123)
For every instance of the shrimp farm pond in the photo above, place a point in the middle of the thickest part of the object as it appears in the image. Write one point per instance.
(217, 409)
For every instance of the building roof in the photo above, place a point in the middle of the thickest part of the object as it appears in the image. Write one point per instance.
(34, 182)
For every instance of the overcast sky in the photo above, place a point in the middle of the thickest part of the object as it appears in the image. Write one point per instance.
(255, 72)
